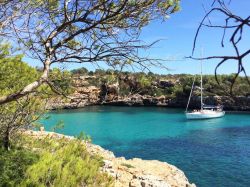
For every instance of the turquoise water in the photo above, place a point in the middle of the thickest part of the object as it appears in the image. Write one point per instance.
(212, 152)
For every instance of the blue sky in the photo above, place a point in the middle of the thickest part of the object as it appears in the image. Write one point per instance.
(178, 33)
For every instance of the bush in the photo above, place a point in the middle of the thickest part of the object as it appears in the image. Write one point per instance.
(80, 71)
(50, 162)
(66, 163)
(13, 165)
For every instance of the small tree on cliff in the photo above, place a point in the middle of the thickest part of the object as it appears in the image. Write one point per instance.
(76, 31)
(14, 74)
(18, 115)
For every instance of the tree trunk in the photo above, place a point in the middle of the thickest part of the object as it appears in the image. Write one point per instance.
(28, 88)
(6, 140)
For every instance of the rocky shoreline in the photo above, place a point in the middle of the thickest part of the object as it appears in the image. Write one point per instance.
(86, 94)
(133, 172)
(230, 104)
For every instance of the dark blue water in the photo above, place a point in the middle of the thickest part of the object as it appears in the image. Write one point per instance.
(212, 152)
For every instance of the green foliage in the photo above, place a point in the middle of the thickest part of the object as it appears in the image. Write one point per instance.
(91, 73)
(13, 165)
(4, 50)
(14, 73)
(144, 81)
(100, 72)
(110, 78)
(59, 125)
(80, 71)
(51, 162)
(178, 91)
(127, 165)
(17, 115)
(179, 85)
(83, 136)
(61, 81)
(66, 163)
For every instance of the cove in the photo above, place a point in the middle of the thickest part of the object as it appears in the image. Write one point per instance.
(213, 152)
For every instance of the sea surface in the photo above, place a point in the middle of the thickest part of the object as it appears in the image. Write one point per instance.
(212, 153)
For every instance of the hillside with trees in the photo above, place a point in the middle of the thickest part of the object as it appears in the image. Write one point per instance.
(111, 87)
(170, 85)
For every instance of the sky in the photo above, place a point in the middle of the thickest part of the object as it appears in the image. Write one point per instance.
(180, 30)
(178, 35)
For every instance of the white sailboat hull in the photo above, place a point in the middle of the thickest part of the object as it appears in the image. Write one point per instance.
(205, 114)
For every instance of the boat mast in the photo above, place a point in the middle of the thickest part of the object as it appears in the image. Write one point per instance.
(190, 94)
(201, 81)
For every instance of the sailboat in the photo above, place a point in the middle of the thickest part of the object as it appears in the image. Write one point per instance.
(206, 111)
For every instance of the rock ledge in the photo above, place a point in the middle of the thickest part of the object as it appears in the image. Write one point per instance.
(133, 172)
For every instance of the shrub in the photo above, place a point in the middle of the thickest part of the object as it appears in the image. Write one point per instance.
(66, 163)
(13, 165)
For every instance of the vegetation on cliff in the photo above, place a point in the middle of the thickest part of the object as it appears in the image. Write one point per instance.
(24, 112)
(33, 162)
(171, 85)
(13, 165)
(14, 74)
(51, 162)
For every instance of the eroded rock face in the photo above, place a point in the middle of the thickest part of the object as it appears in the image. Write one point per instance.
(133, 172)
(84, 94)
(87, 94)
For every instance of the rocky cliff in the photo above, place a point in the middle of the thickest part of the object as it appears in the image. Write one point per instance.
(85, 93)
(133, 172)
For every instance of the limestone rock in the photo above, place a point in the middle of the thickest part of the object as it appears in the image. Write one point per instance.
(88, 94)
(133, 172)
